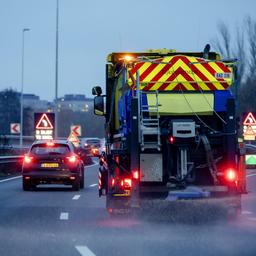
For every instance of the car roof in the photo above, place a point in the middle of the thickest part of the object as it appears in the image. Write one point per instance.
(38, 142)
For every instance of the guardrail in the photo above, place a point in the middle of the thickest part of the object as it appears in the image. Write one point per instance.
(10, 159)
(10, 165)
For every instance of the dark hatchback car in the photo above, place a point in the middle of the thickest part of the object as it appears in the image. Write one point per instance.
(52, 162)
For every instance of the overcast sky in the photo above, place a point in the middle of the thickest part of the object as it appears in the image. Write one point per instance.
(89, 30)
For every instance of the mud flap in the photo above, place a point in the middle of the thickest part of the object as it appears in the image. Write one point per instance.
(103, 181)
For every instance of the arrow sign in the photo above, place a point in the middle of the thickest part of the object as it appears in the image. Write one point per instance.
(15, 128)
(76, 129)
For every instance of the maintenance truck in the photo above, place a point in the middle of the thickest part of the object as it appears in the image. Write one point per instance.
(171, 128)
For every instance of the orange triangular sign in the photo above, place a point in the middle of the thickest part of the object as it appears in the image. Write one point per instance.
(44, 123)
(250, 120)
(249, 131)
(73, 138)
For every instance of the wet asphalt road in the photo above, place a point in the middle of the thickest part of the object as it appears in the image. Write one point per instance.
(58, 221)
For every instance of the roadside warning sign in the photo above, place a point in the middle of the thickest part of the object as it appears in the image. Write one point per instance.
(44, 123)
(249, 120)
(249, 127)
(76, 129)
(44, 126)
(15, 128)
(74, 139)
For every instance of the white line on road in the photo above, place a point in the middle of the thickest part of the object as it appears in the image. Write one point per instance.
(76, 197)
(94, 164)
(13, 178)
(250, 175)
(246, 212)
(64, 216)
(85, 251)
(93, 185)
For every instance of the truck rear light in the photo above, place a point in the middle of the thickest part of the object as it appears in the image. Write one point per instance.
(171, 139)
(113, 182)
(72, 178)
(231, 175)
(27, 159)
(27, 178)
(126, 183)
(136, 175)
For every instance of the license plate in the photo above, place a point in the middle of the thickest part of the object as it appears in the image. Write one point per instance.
(49, 165)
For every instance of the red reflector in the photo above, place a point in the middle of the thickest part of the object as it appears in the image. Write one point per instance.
(72, 178)
(136, 175)
(171, 139)
(110, 210)
(28, 159)
(231, 175)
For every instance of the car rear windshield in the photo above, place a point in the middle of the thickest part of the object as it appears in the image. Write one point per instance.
(43, 149)
(92, 142)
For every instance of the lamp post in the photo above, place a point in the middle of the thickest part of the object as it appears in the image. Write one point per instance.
(56, 69)
(22, 83)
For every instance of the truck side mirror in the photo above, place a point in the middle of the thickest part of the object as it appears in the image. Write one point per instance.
(99, 105)
(96, 90)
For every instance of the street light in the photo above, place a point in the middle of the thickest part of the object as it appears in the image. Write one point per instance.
(22, 81)
(56, 69)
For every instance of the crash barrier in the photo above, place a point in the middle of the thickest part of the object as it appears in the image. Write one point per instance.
(10, 165)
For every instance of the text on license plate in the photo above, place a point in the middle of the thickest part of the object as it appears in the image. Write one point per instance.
(49, 165)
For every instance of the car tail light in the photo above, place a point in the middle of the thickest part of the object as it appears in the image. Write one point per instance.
(72, 159)
(27, 159)
(231, 175)
(126, 183)
(95, 150)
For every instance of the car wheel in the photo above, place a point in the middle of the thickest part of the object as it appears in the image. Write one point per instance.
(26, 186)
(76, 185)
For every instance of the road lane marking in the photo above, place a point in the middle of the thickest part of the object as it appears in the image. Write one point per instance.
(85, 251)
(13, 178)
(246, 212)
(76, 197)
(93, 185)
(94, 164)
(250, 175)
(64, 216)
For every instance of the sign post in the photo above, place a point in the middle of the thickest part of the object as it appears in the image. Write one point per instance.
(44, 126)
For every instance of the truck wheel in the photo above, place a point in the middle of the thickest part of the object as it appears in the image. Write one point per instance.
(76, 185)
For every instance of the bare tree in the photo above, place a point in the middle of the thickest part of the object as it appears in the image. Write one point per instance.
(241, 46)
(239, 53)
(251, 32)
(222, 43)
